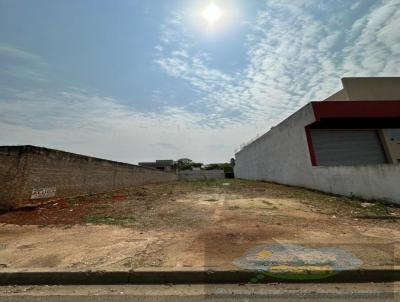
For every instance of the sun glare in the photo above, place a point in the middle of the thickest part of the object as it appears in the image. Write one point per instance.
(212, 14)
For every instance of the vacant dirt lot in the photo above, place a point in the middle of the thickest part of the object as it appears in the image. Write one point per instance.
(192, 224)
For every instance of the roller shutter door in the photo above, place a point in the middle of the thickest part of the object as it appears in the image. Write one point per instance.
(347, 147)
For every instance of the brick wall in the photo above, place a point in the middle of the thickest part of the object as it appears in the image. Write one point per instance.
(27, 168)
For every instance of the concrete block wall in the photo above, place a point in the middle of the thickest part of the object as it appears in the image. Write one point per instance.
(201, 174)
(281, 155)
(12, 171)
(25, 168)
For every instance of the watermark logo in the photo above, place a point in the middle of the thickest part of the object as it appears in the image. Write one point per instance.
(296, 262)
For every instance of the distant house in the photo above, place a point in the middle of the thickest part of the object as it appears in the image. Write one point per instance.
(168, 165)
(347, 144)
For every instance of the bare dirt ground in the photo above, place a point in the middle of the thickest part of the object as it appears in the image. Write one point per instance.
(202, 224)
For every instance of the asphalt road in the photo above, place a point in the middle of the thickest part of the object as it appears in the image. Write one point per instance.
(382, 292)
(191, 299)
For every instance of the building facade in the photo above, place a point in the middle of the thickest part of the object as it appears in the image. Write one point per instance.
(348, 144)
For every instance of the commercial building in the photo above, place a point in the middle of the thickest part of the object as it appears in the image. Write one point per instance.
(347, 144)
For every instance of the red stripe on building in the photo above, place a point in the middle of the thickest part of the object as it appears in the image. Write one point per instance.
(356, 109)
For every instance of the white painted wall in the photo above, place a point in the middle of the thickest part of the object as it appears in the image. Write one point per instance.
(281, 155)
(370, 182)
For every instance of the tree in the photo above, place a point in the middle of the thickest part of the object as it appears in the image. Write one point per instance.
(188, 164)
(227, 167)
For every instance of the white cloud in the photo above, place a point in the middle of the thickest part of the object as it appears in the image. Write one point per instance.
(297, 53)
(376, 48)
(19, 63)
(15, 52)
(82, 122)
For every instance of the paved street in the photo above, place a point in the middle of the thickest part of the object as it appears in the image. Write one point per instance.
(381, 292)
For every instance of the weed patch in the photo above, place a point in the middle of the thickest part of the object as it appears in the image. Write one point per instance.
(233, 208)
(107, 219)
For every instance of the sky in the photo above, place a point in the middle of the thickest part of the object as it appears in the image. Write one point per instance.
(134, 80)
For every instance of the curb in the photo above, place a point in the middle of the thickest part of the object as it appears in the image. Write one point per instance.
(185, 277)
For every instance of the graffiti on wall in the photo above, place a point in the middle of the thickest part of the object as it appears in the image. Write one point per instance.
(43, 193)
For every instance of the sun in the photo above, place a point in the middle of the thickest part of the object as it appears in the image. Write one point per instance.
(212, 14)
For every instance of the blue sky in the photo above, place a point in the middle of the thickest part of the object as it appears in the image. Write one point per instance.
(133, 80)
